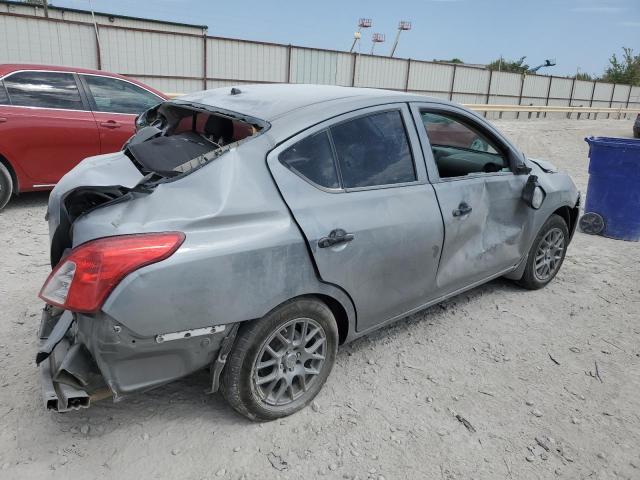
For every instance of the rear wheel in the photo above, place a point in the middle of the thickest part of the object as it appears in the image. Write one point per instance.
(547, 253)
(280, 362)
(6, 186)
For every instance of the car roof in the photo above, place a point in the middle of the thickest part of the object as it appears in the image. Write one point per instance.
(271, 101)
(6, 68)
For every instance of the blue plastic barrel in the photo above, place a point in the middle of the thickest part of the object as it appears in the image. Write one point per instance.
(614, 185)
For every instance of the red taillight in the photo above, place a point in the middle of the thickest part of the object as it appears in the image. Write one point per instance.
(82, 281)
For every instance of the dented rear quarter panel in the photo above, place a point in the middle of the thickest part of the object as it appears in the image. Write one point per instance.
(243, 254)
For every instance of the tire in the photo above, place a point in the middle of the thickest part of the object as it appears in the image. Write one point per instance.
(6, 186)
(553, 232)
(263, 386)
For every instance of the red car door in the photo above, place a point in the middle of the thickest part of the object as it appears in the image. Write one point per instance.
(114, 129)
(47, 127)
(116, 103)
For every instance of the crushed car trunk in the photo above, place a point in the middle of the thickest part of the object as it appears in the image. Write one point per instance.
(173, 140)
(87, 356)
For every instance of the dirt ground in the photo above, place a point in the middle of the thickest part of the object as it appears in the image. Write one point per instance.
(548, 381)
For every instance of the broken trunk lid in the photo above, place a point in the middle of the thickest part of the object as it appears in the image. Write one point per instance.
(184, 136)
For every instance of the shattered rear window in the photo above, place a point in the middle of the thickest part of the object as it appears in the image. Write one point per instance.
(176, 138)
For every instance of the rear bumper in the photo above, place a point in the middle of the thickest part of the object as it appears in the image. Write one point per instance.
(59, 392)
(58, 396)
(83, 358)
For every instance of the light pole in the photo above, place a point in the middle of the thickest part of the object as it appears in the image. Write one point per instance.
(403, 25)
(95, 27)
(362, 23)
(376, 38)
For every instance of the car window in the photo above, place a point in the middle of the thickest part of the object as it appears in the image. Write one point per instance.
(4, 98)
(44, 89)
(373, 150)
(312, 158)
(118, 96)
(459, 149)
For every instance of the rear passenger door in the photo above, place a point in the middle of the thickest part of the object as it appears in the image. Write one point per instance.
(116, 103)
(47, 127)
(485, 219)
(358, 189)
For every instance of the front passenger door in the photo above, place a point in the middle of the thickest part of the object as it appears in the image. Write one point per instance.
(484, 216)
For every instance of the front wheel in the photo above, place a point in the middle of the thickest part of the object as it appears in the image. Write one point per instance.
(547, 253)
(280, 362)
(6, 186)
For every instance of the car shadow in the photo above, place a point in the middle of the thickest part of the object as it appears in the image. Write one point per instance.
(27, 200)
(186, 398)
(179, 401)
(404, 325)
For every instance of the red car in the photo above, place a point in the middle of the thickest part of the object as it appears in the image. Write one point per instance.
(53, 117)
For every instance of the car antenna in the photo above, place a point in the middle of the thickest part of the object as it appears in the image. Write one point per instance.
(235, 91)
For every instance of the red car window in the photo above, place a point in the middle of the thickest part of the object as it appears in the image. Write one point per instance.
(44, 89)
(4, 98)
(118, 96)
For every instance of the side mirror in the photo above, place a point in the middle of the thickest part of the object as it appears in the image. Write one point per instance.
(533, 194)
(520, 167)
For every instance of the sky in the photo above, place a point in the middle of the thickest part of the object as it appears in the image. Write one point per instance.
(580, 34)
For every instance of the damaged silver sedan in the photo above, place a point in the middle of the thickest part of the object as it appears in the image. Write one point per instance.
(252, 230)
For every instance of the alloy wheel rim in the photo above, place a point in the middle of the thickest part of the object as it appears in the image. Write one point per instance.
(290, 362)
(549, 254)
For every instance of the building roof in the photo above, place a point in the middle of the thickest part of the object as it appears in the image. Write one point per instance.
(88, 12)
(270, 101)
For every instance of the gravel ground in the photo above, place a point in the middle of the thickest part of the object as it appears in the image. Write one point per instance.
(548, 381)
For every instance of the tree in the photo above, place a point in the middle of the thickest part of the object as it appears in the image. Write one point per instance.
(584, 76)
(504, 65)
(626, 70)
(453, 60)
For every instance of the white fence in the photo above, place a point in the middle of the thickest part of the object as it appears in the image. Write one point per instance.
(178, 61)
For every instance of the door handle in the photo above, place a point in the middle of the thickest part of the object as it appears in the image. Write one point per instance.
(462, 209)
(3, 119)
(110, 124)
(336, 237)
